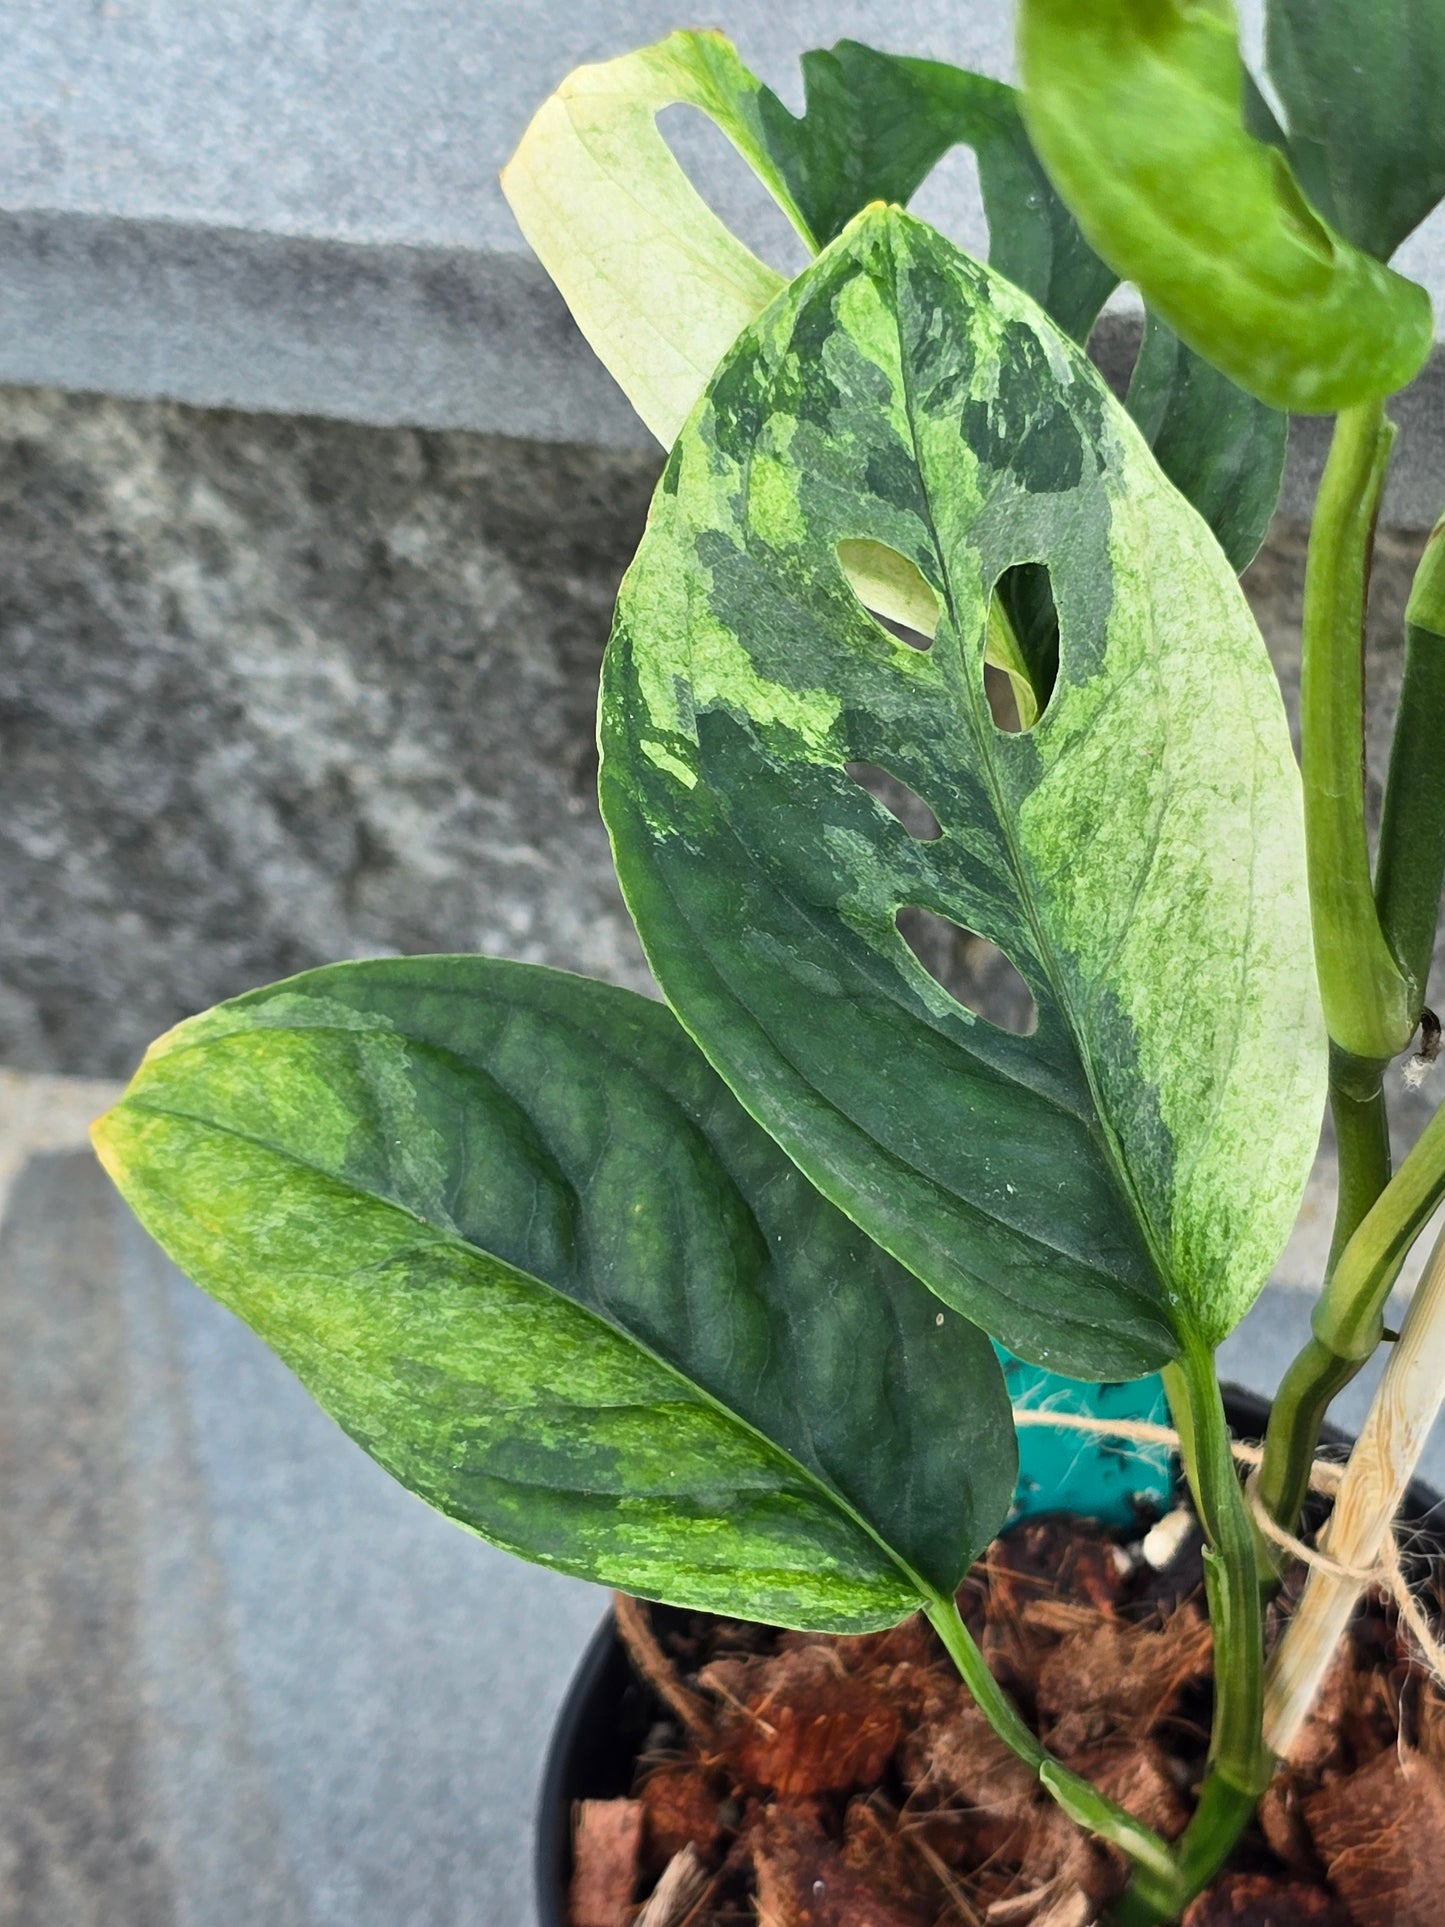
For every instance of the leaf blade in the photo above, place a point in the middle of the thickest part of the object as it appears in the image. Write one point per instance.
(874, 127)
(957, 427)
(1367, 137)
(519, 1241)
(1221, 448)
(1138, 114)
(656, 282)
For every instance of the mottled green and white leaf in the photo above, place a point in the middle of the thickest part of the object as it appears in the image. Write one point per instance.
(661, 288)
(656, 282)
(516, 1237)
(1131, 1170)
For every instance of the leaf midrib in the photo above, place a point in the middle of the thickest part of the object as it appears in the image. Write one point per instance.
(1172, 1307)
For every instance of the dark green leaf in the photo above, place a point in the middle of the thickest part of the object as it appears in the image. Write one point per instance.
(515, 1236)
(1218, 446)
(1362, 83)
(876, 125)
(1087, 1192)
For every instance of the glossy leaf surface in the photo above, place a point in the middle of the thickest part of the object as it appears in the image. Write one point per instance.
(1137, 109)
(515, 1236)
(1136, 1163)
(1362, 83)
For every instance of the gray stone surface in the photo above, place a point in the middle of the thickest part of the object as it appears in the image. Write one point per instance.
(294, 206)
(244, 1677)
(275, 693)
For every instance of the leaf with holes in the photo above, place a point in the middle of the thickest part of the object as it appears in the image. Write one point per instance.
(656, 282)
(1093, 1191)
(874, 127)
(515, 1236)
(661, 288)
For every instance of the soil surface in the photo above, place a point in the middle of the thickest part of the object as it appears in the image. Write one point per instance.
(798, 1780)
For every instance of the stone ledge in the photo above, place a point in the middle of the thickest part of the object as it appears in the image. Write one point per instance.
(296, 211)
(412, 336)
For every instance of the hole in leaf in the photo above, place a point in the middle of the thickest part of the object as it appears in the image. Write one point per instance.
(730, 188)
(1023, 643)
(1003, 699)
(1114, 340)
(951, 198)
(896, 797)
(973, 971)
(891, 588)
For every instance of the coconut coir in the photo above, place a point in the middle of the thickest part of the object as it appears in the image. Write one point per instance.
(796, 1780)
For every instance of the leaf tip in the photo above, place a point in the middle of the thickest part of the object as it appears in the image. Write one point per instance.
(105, 1134)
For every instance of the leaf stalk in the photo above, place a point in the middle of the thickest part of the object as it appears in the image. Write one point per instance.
(1240, 1766)
(1348, 1322)
(1381, 1466)
(1083, 1803)
(1366, 998)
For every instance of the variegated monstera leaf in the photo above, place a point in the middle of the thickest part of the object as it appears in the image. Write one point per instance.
(1116, 1185)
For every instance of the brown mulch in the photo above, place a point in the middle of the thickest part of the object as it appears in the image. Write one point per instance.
(797, 1780)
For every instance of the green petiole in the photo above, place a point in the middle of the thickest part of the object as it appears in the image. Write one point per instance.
(1412, 828)
(1366, 997)
(1348, 1322)
(1081, 1801)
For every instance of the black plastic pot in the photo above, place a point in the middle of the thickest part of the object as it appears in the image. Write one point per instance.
(607, 1712)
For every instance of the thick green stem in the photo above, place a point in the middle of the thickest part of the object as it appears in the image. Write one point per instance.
(1348, 1322)
(1366, 997)
(1318, 1374)
(1411, 863)
(1315, 1378)
(1362, 1143)
(1081, 1801)
(1372, 1003)
(1221, 1817)
(1240, 1767)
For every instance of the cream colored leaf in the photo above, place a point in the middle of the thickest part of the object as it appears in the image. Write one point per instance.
(657, 283)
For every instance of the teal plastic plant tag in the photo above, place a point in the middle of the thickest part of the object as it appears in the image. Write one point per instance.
(1117, 1481)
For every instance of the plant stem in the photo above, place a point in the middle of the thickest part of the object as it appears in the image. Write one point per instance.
(1348, 1322)
(1239, 1767)
(1366, 998)
(1319, 1373)
(1380, 1468)
(1411, 864)
(1081, 1801)
(1362, 1143)
(1371, 1003)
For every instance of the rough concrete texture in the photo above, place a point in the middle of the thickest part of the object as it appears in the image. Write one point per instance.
(276, 693)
